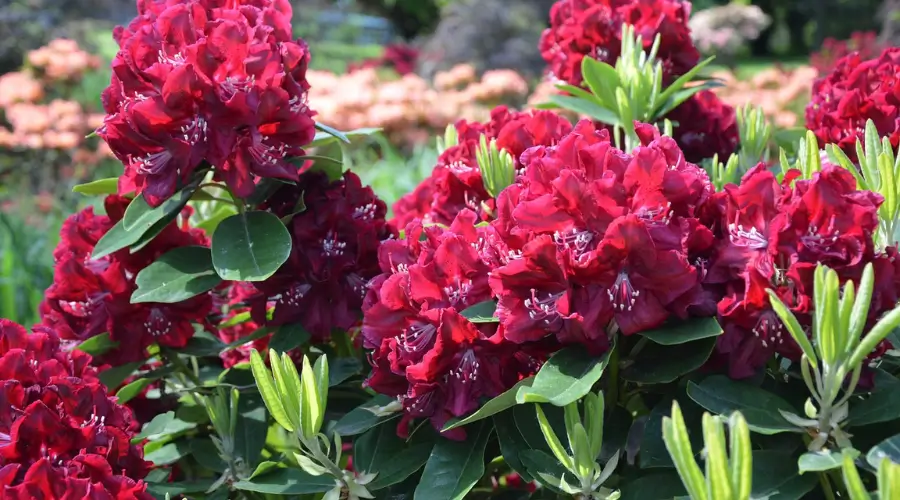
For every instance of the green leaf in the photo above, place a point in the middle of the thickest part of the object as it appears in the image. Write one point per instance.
(585, 107)
(482, 312)
(566, 377)
(288, 337)
(381, 451)
(684, 94)
(140, 216)
(659, 364)
(494, 406)
(889, 448)
(250, 246)
(324, 138)
(133, 389)
(512, 443)
(287, 482)
(269, 393)
(179, 488)
(820, 461)
(882, 405)
(202, 344)
(110, 185)
(206, 453)
(653, 452)
(98, 345)
(162, 425)
(332, 132)
(775, 476)
(250, 431)
(114, 240)
(178, 275)
(684, 331)
(342, 369)
(454, 466)
(365, 416)
(169, 453)
(661, 486)
(150, 234)
(679, 84)
(540, 463)
(113, 377)
(723, 396)
(256, 334)
(601, 78)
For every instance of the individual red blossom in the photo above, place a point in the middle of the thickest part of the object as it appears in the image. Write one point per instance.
(705, 126)
(434, 360)
(93, 296)
(61, 436)
(456, 183)
(216, 82)
(593, 28)
(858, 90)
(592, 240)
(773, 236)
(865, 43)
(337, 228)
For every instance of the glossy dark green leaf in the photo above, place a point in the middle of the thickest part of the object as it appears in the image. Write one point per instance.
(287, 482)
(169, 453)
(538, 462)
(288, 337)
(681, 332)
(113, 377)
(820, 461)
(381, 451)
(109, 185)
(203, 344)
(723, 396)
(154, 231)
(127, 393)
(494, 406)
(653, 452)
(658, 364)
(567, 376)
(251, 429)
(882, 405)
(511, 441)
(365, 416)
(775, 476)
(98, 345)
(180, 488)
(454, 466)
(341, 369)
(250, 246)
(659, 486)
(205, 452)
(162, 425)
(176, 276)
(889, 448)
(140, 216)
(482, 312)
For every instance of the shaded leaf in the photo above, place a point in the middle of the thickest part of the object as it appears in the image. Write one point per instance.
(287, 482)
(775, 476)
(176, 276)
(365, 416)
(889, 448)
(454, 466)
(381, 451)
(722, 396)
(684, 331)
(342, 369)
(288, 337)
(494, 406)
(659, 364)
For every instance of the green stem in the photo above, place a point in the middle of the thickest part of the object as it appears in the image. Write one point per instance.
(826, 486)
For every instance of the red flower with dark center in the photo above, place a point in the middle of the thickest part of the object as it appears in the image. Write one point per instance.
(593, 28)
(93, 296)
(61, 436)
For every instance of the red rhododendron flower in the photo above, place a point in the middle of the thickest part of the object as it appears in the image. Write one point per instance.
(456, 183)
(593, 240)
(434, 360)
(705, 126)
(856, 91)
(61, 436)
(772, 237)
(93, 296)
(337, 228)
(593, 28)
(207, 81)
(865, 43)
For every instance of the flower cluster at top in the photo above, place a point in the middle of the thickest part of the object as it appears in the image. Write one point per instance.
(207, 81)
(61, 436)
(90, 296)
(857, 90)
(591, 241)
(704, 125)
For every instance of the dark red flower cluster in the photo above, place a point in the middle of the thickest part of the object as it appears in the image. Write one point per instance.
(865, 43)
(89, 297)
(237, 308)
(215, 81)
(61, 436)
(772, 236)
(591, 239)
(856, 91)
(426, 353)
(337, 228)
(401, 58)
(593, 28)
(705, 126)
(456, 183)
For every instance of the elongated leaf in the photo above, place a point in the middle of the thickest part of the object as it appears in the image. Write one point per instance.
(677, 442)
(178, 275)
(333, 132)
(109, 185)
(664, 486)
(454, 466)
(494, 406)
(585, 107)
(820, 461)
(250, 246)
(760, 408)
(512, 443)
(98, 345)
(663, 364)
(602, 79)
(323, 138)
(775, 476)
(140, 216)
(679, 84)
(483, 312)
(889, 449)
(366, 416)
(269, 393)
(133, 389)
(381, 451)
(287, 482)
(684, 331)
(169, 453)
(566, 377)
(882, 405)
(288, 337)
